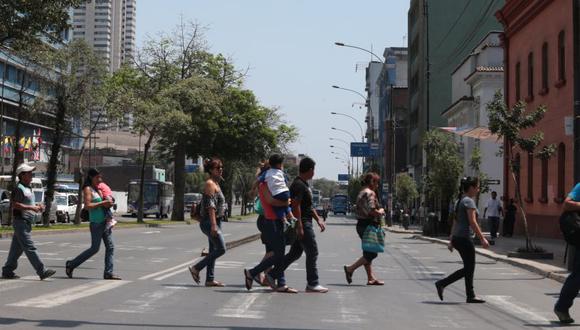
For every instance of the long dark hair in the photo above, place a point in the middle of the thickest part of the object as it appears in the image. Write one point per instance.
(91, 174)
(466, 183)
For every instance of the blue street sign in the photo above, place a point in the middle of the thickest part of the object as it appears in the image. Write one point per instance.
(360, 149)
(343, 177)
(191, 168)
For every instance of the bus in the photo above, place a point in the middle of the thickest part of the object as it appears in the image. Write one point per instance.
(157, 197)
(315, 198)
(339, 204)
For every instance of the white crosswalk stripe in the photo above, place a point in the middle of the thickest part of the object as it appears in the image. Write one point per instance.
(69, 295)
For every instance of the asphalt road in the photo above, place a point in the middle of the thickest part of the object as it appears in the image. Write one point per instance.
(157, 291)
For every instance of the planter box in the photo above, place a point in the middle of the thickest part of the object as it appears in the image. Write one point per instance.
(532, 255)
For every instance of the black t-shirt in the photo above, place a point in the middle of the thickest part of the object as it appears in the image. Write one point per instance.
(300, 190)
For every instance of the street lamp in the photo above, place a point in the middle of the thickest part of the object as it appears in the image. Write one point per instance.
(340, 140)
(344, 131)
(356, 121)
(341, 44)
(352, 91)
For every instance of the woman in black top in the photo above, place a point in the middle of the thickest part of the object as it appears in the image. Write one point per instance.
(461, 239)
(368, 213)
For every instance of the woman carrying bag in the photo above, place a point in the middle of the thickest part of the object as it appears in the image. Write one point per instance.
(368, 228)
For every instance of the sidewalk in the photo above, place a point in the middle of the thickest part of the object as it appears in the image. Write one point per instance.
(554, 269)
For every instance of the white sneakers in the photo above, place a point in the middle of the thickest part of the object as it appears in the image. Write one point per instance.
(319, 289)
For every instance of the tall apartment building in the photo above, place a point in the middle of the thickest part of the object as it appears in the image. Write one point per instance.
(109, 27)
(441, 35)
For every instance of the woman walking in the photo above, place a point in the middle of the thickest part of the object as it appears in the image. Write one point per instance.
(212, 212)
(96, 206)
(460, 239)
(368, 213)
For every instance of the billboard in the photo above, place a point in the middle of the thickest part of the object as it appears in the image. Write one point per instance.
(343, 177)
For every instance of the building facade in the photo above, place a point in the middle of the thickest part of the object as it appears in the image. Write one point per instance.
(540, 71)
(441, 34)
(474, 84)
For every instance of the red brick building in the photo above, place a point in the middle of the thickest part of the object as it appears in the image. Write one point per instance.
(539, 69)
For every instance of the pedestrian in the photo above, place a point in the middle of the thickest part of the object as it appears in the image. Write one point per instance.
(25, 211)
(303, 209)
(422, 214)
(571, 286)
(510, 218)
(466, 218)
(494, 211)
(368, 213)
(213, 204)
(273, 234)
(97, 207)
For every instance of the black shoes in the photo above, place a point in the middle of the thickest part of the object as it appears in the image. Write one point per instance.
(68, 269)
(10, 276)
(111, 277)
(440, 289)
(564, 317)
(47, 273)
(475, 300)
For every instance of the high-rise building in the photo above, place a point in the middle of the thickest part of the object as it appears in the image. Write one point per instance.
(109, 27)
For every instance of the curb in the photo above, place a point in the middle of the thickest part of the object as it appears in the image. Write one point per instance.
(548, 271)
(242, 241)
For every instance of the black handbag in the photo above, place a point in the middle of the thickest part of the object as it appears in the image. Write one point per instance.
(570, 227)
(290, 232)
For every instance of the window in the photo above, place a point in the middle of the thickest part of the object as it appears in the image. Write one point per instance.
(530, 77)
(530, 198)
(544, 191)
(561, 59)
(518, 82)
(544, 68)
(561, 173)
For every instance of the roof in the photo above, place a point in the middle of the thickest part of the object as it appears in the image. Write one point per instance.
(462, 99)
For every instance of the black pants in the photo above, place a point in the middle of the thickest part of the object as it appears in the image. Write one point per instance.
(508, 225)
(466, 249)
(571, 286)
(361, 226)
(307, 245)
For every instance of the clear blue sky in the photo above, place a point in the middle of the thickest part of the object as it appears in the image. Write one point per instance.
(289, 47)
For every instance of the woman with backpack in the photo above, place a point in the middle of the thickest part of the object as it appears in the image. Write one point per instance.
(466, 218)
(212, 210)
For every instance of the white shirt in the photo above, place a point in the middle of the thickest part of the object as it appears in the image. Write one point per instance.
(493, 206)
(276, 181)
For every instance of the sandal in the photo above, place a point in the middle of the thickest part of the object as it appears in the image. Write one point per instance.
(376, 282)
(194, 274)
(249, 280)
(259, 279)
(217, 284)
(348, 275)
(286, 289)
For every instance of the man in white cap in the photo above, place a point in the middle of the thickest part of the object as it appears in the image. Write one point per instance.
(24, 215)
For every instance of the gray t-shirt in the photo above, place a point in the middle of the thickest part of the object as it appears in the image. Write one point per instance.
(24, 195)
(462, 221)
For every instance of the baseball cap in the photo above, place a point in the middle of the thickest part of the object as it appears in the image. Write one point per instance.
(23, 168)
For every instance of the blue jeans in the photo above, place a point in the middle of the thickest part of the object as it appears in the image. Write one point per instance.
(273, 232)
(309, 246)
(22, 243)
(217, 248)
(571, 286)
(98, 232)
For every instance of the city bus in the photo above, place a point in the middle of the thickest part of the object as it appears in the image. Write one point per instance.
(157, 197)
(315, 198)
(339, 204)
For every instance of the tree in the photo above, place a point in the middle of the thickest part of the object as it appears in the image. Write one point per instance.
(475, 166)
(23, 22)
(513, 126)
(72, 77)
(328, 188)
(445, 167)
(405, 190)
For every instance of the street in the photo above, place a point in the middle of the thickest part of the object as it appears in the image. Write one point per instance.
(157, 290)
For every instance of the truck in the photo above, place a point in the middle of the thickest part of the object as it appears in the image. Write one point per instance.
(339, 204)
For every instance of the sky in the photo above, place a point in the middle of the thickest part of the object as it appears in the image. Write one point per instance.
(288, 46)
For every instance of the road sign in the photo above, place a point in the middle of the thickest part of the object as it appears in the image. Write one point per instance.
(343, 177)
(360, 149)
(191, 168)
(493, 182)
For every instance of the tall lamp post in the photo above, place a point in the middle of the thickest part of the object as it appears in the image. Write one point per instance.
(362, 133)
(353, 139)
(342, 44)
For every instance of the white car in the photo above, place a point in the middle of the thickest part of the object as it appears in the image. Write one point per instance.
(66, 206)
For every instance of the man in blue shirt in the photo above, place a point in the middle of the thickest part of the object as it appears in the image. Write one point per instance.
(572, 285)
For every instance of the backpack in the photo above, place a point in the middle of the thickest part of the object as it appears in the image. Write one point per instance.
(84, 215)
(570, 227)
(195, 211)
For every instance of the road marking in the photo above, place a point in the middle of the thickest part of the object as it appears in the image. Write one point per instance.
(146, 303)
(521, 311)
(6, 285)
(151, 232)
(239, 306)
(348, 315)
(42, 243)
(187, 263)
(229, 264)
(69, 295)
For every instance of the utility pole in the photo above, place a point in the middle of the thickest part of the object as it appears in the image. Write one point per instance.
(576, 165)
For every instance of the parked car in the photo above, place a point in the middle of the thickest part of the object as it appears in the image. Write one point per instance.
(66, 206)
(190, 199)
(38, 196)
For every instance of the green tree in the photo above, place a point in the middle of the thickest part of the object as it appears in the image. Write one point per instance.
(328, 188)
(194, 182)
(24, 22)
(445, 167)
(475, 166)
(510, 125)
(405, 190)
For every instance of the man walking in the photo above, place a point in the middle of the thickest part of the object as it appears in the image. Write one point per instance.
(25, 213)
(571, 287)
(302, 208)
(495, 210)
